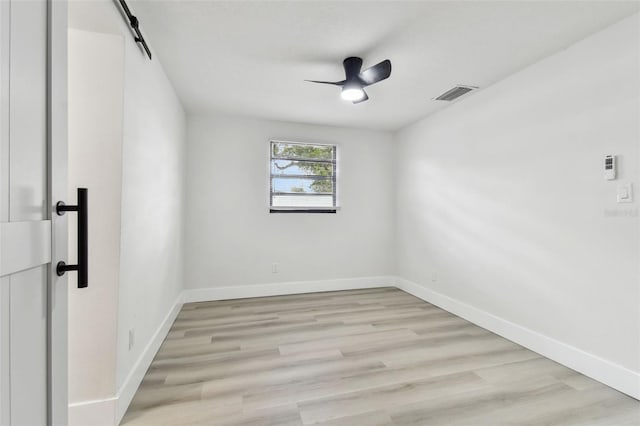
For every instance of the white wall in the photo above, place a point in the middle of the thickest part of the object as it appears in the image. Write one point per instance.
(151, 236)
(233, 239)
(153, 201)
(96, 72)
(502, 205)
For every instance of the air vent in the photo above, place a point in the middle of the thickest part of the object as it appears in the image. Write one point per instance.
(455, 93)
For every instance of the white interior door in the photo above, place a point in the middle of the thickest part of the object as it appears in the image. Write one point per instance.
(25, 215)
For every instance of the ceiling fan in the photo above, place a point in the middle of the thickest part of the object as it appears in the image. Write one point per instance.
(355, 82)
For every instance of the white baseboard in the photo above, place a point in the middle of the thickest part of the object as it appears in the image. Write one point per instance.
(134, 378)
(613, 375)
(101, 412)
(278, 289)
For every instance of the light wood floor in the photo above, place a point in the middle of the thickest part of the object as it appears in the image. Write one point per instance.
(357, 358)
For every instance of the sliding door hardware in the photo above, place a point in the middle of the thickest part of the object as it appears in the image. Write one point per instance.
(83, 238)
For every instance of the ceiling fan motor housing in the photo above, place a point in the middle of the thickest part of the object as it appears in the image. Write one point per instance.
(352, 67)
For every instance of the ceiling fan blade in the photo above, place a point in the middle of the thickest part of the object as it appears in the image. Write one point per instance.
(376, 73)
(365, 98)
(352, 66)
(335, 83)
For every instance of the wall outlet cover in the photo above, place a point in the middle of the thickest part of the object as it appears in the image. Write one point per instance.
(132, 335)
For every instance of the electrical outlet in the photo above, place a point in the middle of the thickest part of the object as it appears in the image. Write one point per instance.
(275, 268)
(132, 335)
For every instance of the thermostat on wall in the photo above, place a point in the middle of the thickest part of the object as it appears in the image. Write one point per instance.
(609, 167)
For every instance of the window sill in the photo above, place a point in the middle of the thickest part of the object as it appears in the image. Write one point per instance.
(303, 209)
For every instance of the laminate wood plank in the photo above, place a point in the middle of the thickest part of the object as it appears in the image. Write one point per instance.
(361, 338)
(386, 397)
(368, 313)
(395, 317)
(274, 331)
(188, 359)
(248, 327)
(464, 361)
(151, 395)
(213, 369)
(467, 407)
(203, 321)
(316, 388)
(603, 407)
(192, 413)
(282, 375)
(423, 347)
(525, 369)
(372, 418)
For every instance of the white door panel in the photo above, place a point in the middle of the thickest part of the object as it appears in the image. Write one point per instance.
(29, 347)
(25, 225)
(28, 111)
(27, 202)
(5, 365)
(5, 37)
(38, 233)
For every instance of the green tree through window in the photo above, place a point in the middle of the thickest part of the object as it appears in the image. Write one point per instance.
(298, 168)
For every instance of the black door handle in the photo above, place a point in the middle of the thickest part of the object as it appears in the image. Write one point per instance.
(83, 239)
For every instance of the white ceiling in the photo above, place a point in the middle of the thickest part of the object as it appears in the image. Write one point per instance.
(252, 58)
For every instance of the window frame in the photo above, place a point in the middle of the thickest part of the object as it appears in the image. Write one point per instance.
(303, 209)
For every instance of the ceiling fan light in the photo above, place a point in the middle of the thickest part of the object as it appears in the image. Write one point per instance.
(352, 93)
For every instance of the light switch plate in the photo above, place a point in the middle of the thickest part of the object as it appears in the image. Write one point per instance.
(625, 193)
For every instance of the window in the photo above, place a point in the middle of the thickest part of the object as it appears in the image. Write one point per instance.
(303, 177)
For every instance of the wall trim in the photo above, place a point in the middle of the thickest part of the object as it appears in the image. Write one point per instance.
(290, 287)
(607, 372)
(97, 412)
(134, 378)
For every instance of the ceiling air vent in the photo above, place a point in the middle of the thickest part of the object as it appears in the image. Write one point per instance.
(455, 93)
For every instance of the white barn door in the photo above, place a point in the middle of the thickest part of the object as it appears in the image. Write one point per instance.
(27, 287)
